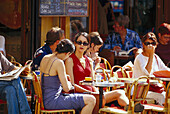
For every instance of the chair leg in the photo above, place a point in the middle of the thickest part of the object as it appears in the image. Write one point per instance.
(36, 106)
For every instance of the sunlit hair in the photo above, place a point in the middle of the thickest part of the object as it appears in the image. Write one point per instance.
(164, 28)
(85, 34)
(65, 46)
(151, 36)
(123, 20)
(95, 38)
(53, 35)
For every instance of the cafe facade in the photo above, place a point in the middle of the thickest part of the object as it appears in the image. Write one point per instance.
(24, 23)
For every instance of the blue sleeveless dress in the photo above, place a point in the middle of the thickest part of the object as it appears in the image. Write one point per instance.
(53, 97)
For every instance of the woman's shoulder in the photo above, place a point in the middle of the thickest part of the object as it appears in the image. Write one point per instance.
(140, 56)
(69, 59)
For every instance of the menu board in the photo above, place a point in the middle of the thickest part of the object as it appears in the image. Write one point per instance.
(63, 8)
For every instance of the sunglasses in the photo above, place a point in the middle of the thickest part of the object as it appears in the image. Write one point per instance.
(80, 42)
(148, 43)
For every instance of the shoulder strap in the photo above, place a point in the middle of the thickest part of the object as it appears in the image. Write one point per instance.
(51, 66)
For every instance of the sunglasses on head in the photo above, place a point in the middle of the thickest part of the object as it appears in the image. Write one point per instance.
(148, 43)
(80, 42)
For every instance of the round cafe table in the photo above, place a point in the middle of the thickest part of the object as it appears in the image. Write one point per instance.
(101, 85)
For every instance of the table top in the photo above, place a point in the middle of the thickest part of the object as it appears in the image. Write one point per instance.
(101, 71)
(101, 84)
(131, 80)
(108, 84)
(163, 79)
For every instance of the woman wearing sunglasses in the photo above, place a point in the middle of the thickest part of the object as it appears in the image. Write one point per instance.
(148, 62)
(79, 66)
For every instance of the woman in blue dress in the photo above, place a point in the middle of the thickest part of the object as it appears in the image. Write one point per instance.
(54, 80)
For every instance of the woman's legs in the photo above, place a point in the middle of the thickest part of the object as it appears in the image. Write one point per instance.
(118, 95)
(89, 101)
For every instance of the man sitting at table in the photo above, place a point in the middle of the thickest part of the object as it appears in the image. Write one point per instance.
(12, 91)
(53, 37)
(122, 39)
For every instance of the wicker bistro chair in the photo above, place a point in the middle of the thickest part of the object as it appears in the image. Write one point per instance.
(11, 58)
(141, 81)
(39, 106)
(105, 76)
(124, 74)
(105, 64)
(16, 63)
(103, 73)
(158, 108)
(118, 74)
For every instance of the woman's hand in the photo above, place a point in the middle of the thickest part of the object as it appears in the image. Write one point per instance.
(98, 60)
(94, 56)
(151, 50)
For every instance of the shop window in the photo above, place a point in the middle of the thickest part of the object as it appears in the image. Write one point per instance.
(105, 16)
(143, 16)
(78, 24)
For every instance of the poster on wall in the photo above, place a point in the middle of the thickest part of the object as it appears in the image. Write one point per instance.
(118, 5)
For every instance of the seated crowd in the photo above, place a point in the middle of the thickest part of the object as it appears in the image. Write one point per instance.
(63, 63)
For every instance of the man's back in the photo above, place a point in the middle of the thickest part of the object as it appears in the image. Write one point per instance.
(39, 54)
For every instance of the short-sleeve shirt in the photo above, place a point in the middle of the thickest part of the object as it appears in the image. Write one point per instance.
(5, 65)
(39, 54)
(132, 40)
(141, 62)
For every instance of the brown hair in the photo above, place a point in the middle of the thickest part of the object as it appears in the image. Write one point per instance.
(85, 34)
(95, 38)
(164, 28)
(123, 20)
(53, 35)
(149, 35)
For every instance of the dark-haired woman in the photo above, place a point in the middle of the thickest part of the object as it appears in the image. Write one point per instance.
(54, 81)
(79, 66)
(96, 43)
(148, 62)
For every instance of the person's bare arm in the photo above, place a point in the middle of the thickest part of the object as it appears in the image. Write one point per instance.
(92, 73)
(150, 49)
(69, 68)
(60, 69)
